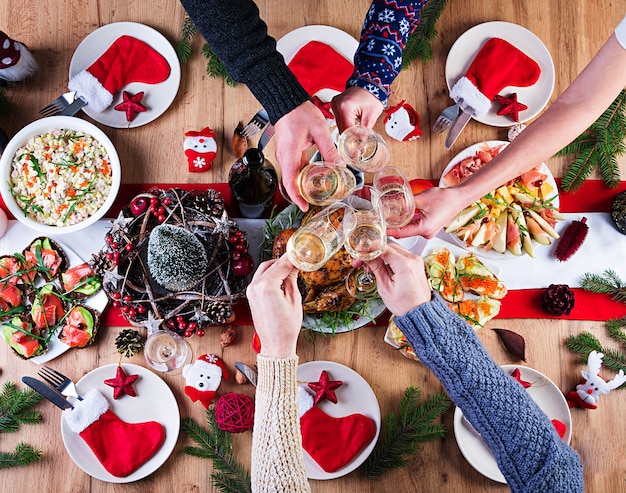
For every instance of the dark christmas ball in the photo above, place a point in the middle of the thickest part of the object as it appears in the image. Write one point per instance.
(558, 299)
(618, 212)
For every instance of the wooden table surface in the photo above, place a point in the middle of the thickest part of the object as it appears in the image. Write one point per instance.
(572, 30)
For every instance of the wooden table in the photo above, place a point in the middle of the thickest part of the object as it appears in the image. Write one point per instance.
(572, 30)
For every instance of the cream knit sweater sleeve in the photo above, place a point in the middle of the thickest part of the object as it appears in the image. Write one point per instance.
(277, 460)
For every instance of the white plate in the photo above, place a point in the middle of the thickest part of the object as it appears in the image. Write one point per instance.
(468, 45)
(340, 40)
(547, 396)
(353, 396)
(154, 402)
(157, 97)
(481, 252)
(97, 302)
(373, 309)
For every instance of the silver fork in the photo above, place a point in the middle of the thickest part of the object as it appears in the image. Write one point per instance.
(65, 104)
(59, 381)
(445, 119)
(255, 125)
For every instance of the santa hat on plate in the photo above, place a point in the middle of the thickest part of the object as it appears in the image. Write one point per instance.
(497, 65)
(127, 60)
(16, 62)
(209, 362)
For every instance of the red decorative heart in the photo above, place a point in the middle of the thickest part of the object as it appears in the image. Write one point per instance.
(334, 442)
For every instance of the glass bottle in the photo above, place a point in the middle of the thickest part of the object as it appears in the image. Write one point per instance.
(253, 181)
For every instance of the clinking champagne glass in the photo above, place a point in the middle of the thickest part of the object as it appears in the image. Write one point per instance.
(366, 237)
(396, 196)
(319, 238)
(363, 149)
(322, 183)
(166, 351)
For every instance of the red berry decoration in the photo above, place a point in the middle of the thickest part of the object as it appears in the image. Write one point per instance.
(138, 206)
(243, 266)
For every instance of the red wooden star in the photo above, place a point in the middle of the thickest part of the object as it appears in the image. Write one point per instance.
(325, 388)
(122, 384)
(131, 105)
(510, 106)
(516, 374)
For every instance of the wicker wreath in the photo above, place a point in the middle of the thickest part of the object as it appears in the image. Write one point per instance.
(173, 257)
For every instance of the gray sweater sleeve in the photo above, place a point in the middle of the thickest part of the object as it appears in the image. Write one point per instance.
(236, 33)
(528, 450)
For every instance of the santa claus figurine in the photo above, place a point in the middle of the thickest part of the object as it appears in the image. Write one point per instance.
(402, 122)
(200, 149)
(203, 377)
(16, 62)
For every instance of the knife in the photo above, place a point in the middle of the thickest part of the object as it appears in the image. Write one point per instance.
(250, 373)
(266, 136)
(74, 107)
(47, 392)
(457, 126)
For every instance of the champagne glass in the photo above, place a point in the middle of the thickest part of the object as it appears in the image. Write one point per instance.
(166, 351)
(363, 149)
(322, 183)
(318, 239)
(396, 196)
(366, 237)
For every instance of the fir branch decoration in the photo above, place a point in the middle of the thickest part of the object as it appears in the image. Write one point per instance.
(586, 342)
(23, 455)
(183, 49)
(229, 475)
(15, 407)
(608, 283)
(215, 68)
(418, 44)
(598, 147)
(403, 432)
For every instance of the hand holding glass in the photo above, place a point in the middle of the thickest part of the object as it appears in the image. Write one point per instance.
(396, 196)
(322, 183)
(363, 149)
(166, 351)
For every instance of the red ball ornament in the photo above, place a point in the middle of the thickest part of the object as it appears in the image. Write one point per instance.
(234, 412)
(243, 266)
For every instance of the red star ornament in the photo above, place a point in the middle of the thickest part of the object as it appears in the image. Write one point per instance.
(517, 375)
(122, 384)
(510, 106)
(131, 105)
(325, 388)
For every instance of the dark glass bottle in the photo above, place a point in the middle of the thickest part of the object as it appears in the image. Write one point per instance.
(253, 181)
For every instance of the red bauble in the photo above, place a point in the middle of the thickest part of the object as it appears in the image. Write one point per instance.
(234, 412)
(243, 266)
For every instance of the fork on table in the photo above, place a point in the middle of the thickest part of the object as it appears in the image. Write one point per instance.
(59, 381)
(65, 104)
(255, 125)
(446, 118)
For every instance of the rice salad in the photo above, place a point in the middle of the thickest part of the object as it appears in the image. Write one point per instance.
(61, 178)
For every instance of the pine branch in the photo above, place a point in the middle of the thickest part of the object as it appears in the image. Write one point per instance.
(22, 455)
(418, 44)
(606, 283)
(615, 328)
(404, 432)
(598, 147)
(183, 49)
(229, 475)
(585, 342)
(215, 68)
(15, 407)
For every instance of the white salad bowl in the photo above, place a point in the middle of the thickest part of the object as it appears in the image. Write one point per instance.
(43, 126)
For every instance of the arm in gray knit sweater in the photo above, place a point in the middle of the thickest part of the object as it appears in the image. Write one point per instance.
(528, 450)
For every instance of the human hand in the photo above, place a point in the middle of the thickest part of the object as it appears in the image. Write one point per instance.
(435, 208)
(296, 131)
(276, 307)
(400, 279)
(354, 104)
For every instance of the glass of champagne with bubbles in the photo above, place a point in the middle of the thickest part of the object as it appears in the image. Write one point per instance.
(322, 183)
(396, 196)
(363, 149)
(365, 239)
(320, 237)
(166, 351)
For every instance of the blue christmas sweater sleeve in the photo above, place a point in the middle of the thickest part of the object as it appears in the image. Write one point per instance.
(386, 30)
(528, 450)
(238, 36)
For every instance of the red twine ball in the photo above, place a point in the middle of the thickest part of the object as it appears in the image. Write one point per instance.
(234, 412)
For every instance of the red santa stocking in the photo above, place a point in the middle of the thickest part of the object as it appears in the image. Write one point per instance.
(497, 65)
(119, 446)
(318, 66)
(127, 60)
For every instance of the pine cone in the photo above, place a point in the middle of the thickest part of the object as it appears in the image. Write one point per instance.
(208, 202)
(128, 342)
(558, 299)
(100, 263)
(218, 312)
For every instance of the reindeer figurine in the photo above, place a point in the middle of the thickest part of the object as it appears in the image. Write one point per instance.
(587, 393)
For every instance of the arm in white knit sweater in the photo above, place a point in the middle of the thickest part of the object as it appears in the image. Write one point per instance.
(277, 460)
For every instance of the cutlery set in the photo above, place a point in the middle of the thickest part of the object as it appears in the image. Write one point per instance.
(55, 387)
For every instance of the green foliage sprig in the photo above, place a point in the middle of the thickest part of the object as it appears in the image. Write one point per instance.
(607, 283)
(215, 68)
(598, 147)
(402, 433)
(15, 410)
(229, 475)
(418, 44)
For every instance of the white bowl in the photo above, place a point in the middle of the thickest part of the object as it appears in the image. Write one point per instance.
(42, 126)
